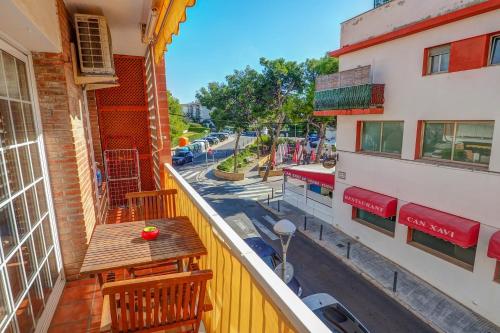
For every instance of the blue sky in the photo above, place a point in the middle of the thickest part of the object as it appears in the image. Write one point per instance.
(222, 35)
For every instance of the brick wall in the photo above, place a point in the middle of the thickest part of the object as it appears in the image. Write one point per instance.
(67, 149)
(165, 155)
(94, 126)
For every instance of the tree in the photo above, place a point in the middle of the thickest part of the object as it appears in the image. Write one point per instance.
(283, 83)
(314, 68)
(234, 102)
(176, 117)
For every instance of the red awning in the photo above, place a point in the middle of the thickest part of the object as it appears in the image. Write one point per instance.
(318, 178)
(373, 202)
(452, 228)
(494, 247)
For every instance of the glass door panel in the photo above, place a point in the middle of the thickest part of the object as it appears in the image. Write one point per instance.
(29, 269)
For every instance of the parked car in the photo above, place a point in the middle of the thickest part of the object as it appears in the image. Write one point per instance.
(272, 259)
(334, 314)
(204, 143)
(250, 133)
(182, 157)
(220, 136)
(212, 139)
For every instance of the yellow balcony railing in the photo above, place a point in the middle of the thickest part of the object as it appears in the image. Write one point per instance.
(246, 294)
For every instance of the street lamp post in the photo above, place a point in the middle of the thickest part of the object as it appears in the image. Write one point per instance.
(285, 230)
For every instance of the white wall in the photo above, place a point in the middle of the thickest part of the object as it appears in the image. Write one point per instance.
(409, 96)
(33, 24)
(396, 14)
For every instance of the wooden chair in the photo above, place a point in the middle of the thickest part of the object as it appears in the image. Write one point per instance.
(150, 205)
(158, 303)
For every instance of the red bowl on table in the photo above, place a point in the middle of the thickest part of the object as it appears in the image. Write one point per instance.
(150, 233)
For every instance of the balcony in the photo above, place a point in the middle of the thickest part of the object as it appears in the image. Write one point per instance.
(348, 93)
(247, 296)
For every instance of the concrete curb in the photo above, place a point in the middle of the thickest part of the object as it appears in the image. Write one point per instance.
(349, 263)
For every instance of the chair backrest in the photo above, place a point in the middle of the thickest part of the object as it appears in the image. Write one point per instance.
(150, 205)
(158, 302)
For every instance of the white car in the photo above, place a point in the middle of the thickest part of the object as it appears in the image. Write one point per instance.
(204, 143)
(334, 314)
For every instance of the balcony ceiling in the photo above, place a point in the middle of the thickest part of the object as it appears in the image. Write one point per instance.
(124, 18)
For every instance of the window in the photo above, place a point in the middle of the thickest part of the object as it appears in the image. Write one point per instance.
(496, 277)
(382, 137)
(439, 59)
(495, 51)
(386, 226)
(448, 251)
(463, 142)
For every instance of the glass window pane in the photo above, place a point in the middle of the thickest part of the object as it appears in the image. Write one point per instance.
(24, 316)
(386, 224)
(28, 258)
(495, 51)
(54, 270)
(45, 279)
(13, 170)
(3, 87)
(17, 118)
(7, 229)
(6, 131)
(9, 66)
(473, 142)
(36, 298)
(42, 201)
(39, 247)
(392, 137)
(47, 233)
(29, 121)
(20, 215)
(15, 275)
(3, 181)
(24, 159)
(4, 309)
(438, 140)
(10, 327)
(445, 62)
(32, 207)
(434, 64)
(23, 80)
(35, 160)
(371, 136)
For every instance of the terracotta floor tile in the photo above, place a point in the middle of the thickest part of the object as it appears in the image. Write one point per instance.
(74, 327)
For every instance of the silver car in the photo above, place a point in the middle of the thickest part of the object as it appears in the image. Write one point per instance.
(334, 314)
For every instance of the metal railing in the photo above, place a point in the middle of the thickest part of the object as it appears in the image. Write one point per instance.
(247, 296)
(354, 97)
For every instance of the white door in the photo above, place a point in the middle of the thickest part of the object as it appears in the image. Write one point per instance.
(29, 251)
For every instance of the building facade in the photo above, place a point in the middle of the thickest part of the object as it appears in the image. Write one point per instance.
(418, 176)
(196, 111)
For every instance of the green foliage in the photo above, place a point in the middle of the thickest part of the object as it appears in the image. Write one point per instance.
(197, 128)
(177, 122)
(242, 160)
(190, 135)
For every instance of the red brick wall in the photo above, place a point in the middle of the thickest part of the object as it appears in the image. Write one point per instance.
(165, 155)
(67, 149)
(94, 126)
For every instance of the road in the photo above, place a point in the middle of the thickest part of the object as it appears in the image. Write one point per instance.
(316, 269)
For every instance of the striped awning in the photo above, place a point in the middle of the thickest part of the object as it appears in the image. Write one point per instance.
(172, 14)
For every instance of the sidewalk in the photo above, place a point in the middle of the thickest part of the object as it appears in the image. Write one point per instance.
(426, 302)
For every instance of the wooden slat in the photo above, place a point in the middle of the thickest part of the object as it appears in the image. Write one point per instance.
(192, 311)
(123, 308)
(140, 309)
(164, 305)
(171, 301)
(148, 205)
(114, 316)
(180, 295)
(132, 312)
(156, 312)
(147, 310)
(186, 301)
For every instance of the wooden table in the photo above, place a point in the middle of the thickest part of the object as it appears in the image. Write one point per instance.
(117, 246)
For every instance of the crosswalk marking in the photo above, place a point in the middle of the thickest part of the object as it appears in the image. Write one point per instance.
(265, 230)
(189, 174)
(269, 219)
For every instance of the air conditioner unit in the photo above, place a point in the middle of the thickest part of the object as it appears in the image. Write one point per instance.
(94, 45)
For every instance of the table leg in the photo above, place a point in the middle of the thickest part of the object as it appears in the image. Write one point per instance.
(100, 279)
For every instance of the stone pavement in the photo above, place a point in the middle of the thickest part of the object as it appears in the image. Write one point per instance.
(426, 302)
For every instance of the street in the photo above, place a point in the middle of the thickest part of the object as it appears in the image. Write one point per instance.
(316, 269)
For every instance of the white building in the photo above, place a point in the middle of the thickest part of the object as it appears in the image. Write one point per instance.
(418, 179)
(196, 111)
